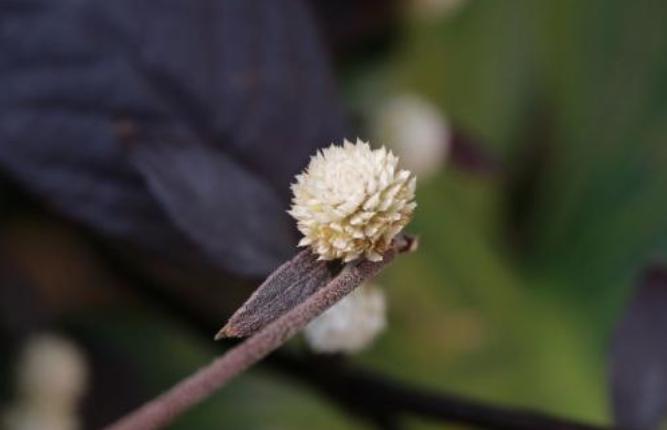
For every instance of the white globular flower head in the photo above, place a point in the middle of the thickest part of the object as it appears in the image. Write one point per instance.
(51, 378)
(351, 201)
(351, 324)
(52, 370)
(418, 132)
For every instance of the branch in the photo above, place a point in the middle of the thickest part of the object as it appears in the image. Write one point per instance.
(196, 388)
(365, 394)
(370, 394)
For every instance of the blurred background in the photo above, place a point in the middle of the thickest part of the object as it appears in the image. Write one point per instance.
(537, 130)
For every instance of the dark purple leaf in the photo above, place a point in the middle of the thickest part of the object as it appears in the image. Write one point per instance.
(289, 285)
(369, 26)
(235, 216)
(639, 356)
(116, 383)
(22, 310)
(245, 79)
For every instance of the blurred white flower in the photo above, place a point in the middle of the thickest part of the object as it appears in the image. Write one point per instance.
(416, 130)
(351, 324)
(51, 377)
(434, 9)
(352, 201)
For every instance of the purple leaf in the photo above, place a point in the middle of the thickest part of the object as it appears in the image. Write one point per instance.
(639, 356)
(236, 217)
(370, 26)
(246, 80)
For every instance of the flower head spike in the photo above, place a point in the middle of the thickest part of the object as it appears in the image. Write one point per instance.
(351, 201)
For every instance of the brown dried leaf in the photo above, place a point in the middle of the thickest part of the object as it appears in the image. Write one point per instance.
(289, 285)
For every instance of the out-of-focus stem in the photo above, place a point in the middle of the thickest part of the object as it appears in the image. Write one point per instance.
(199, 386)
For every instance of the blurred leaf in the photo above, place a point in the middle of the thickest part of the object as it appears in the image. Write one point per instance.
(117, 384)
(639, 356)
(357, 30)
(22, 310)
(247, 78)
(229, 211)
(599, 215)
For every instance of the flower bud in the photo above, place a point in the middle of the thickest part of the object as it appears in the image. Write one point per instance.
(351, 201)
(351, 324)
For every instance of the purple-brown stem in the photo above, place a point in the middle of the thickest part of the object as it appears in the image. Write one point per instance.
(164, 409)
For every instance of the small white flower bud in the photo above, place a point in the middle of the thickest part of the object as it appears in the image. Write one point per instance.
(51, 377)
(351, 324)
(434, 9)
(351, 201)
(416, 130)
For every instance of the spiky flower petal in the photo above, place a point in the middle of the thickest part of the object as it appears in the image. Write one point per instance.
(351, 201)
(351, 324)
